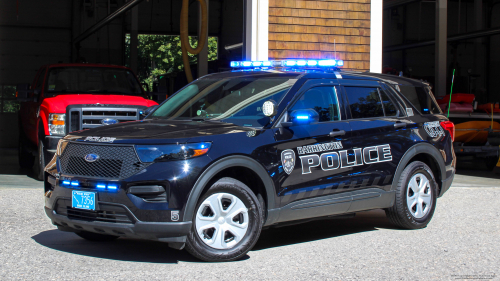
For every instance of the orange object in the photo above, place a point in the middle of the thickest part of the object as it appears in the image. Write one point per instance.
(475, 131)
(487, 107)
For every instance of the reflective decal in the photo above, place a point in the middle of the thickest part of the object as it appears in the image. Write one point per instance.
(409, 112)
(434, 129)
(336, 159)
(319, 147)
(100, 139)
(288, 160)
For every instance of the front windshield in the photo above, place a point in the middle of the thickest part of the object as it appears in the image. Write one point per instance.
(93, 80)
(233, 100)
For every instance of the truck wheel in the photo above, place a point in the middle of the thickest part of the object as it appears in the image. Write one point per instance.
(96, 237)
(227, 222)
(25, 157)
(40, 162)
(415, 197)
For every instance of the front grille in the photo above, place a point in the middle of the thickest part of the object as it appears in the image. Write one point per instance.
(114, 162)
(108, 213)
(104, 216)
(83, 117)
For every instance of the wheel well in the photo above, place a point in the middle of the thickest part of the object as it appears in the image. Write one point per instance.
(432, 163)
(246, 176)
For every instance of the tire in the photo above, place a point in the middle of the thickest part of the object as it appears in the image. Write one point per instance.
(96, 237)
(25, 157)
(421, 195)
(229, 232)
(39, 166)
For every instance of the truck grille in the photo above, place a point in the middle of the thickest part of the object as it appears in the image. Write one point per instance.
(114, 162)
(82, 117)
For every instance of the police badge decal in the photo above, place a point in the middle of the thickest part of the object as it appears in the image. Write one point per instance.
(288, 160)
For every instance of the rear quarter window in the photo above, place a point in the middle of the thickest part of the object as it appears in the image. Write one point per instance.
(421, 98)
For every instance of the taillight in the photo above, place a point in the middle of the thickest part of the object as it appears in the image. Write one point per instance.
(450, 127)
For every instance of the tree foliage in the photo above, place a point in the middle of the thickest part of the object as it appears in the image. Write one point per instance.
(159, 54)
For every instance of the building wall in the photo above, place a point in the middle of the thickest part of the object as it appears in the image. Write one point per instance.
(315, 29)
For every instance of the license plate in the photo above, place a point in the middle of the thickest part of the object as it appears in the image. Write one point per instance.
(83, 200)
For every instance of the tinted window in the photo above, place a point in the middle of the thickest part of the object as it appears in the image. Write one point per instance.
(101, 80)
(421, 98)
(233, 100)
(364, 102)
(323, 100)
(389, 107)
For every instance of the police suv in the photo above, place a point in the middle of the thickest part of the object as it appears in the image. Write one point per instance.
(267, 143)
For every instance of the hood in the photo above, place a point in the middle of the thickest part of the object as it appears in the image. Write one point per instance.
(59, 103)
(167, 131)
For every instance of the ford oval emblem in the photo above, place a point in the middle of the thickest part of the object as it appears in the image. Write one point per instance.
(91, 157)
(109, 121)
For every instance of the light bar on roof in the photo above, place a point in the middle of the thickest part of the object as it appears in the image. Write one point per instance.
(288, 63)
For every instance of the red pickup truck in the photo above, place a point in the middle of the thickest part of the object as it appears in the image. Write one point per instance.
(71, 97)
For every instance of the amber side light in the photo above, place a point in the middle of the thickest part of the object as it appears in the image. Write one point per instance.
(57, 122)
(198, 152)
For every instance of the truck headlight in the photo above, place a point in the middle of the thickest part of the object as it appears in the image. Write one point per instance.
(150, 153)
(57, 124)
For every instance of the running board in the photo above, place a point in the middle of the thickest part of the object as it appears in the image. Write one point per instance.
(335, 204)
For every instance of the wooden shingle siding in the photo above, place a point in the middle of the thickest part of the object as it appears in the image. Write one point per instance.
(308, 29)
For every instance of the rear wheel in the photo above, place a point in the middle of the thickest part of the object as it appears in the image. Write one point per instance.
(227, 222)
(96, 237)
(415, 197)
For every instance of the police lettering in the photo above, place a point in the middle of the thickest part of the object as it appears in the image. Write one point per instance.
(343, 158)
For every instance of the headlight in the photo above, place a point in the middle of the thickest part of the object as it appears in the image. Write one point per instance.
(150, 153)
(57, 124)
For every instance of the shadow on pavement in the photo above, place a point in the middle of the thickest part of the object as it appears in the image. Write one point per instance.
(122, 249)
(134, 250)
(322, 229)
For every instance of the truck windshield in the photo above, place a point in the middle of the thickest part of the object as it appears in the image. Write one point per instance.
(233, 100)
(92, 80)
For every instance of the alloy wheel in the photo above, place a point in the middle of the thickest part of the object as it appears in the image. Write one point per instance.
(419, 196)
(222, 221)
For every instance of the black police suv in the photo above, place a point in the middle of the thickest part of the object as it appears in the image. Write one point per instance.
(234, 152)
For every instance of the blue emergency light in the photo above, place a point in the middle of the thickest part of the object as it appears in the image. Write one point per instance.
(288, 63)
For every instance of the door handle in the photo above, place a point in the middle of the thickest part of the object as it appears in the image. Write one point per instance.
(337, 133)
(399, 125)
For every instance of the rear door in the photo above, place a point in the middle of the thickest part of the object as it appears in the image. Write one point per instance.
(381, 134)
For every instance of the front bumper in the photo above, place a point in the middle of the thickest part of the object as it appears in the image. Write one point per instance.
(117, 213)
(160, 231)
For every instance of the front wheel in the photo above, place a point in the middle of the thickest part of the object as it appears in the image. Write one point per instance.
(415, 197)
(227, 222)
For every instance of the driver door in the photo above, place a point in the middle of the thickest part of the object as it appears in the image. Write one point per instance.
(310, 159)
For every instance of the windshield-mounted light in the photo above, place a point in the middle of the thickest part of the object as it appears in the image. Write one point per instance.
(151, 153)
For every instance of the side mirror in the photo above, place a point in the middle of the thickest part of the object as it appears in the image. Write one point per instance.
(301, 117)
(23, 92)
(147, 111)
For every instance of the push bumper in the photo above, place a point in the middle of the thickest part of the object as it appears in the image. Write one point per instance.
(160, 231)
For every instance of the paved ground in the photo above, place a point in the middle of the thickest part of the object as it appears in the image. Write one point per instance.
(461, 242)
